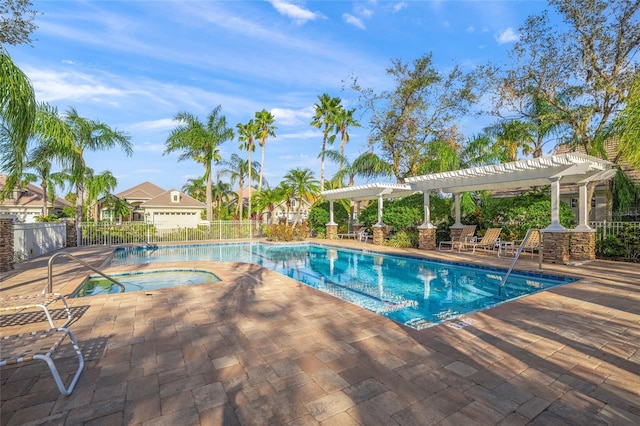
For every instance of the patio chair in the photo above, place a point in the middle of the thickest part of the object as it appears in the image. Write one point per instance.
(36, 301)
(350, 234)
(466, 234)
(41, 345)
(488, 241)
(532, 244)
(363, 235)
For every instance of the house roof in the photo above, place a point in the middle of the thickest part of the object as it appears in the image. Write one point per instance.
(31, 196)
(164, 200)
(143, 191)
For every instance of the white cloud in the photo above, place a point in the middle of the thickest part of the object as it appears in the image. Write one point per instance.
(161, 124)
(290, 117)
(352, 20)
(150, 147)
(293, 11)
(507, 36)
(399, 6)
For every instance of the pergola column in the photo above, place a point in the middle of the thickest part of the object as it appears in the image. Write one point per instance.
(456, 198)
(427, 231)
(379, 234)
(555, 207)
(583, 208)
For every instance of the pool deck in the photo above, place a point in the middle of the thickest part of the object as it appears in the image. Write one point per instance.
(259, 348)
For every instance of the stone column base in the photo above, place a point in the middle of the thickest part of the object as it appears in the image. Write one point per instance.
(332, 231)
(555, 246)
(427, 238)
(379, 234)
(583, 245)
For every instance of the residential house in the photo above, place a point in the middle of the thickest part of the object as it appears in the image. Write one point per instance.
(24, 204)
(150, 203)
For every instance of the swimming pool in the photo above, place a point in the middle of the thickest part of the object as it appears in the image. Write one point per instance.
(409, 290)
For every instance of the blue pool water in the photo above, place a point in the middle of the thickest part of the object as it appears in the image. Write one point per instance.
(137, 281)
(409, 290)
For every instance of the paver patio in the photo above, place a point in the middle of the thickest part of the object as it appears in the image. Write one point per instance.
(260, 348)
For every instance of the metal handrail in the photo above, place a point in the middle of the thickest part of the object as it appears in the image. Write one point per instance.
(83, 263)
(515, 259)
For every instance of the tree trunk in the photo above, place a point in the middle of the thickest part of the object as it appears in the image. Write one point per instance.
(207, 196)
(261, 167)
(79, 200)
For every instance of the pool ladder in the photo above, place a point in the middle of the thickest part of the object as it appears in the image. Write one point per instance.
(83, 263)
(523, 244)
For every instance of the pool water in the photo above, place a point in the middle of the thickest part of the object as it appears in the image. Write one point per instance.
(138, 281)
(409, 290)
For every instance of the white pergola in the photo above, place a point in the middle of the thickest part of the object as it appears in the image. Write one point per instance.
(572, 168)
(370, 191)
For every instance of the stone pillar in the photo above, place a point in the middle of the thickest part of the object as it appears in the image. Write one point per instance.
(379, 234)
(583, 245)
(555, 246)
(71, 233)
(332, 231)
(6, 245)
(427, 238)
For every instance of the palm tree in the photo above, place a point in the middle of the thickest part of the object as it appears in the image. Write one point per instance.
(222, 192)
(268, 199)
(301, 185)
(237, 169)
(195, 187)
(200, 143)
(512, 135)
(344, 119)
(97, 186)
(324, 118)
(264, 121)
(246, 136)
(17, 115)
(69, 137)
(40, 163)
(367, 165)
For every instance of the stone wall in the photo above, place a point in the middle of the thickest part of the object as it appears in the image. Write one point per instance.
(6, 245)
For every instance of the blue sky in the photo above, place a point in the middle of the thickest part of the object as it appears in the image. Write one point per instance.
(134, 65)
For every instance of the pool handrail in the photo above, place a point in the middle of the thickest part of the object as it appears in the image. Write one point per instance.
(83, 263)
(523, 244)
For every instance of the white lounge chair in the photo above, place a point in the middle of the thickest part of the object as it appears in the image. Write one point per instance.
(466, 235)
(41, 345)
(488, 241)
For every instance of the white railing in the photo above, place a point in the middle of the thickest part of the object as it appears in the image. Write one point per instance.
(606, 228)
(105, 233)
(34, 239)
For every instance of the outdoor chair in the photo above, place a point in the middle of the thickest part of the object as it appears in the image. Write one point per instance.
(36, 301)
(466, 234)
(488, 241)
(532, 244)
(350, 234)
(363, 235)
(41, 345)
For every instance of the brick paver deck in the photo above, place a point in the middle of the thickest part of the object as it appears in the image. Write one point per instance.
(259, 348)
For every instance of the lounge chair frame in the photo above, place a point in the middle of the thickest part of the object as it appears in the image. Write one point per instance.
(488, 242)
(466, 234)
(41, 345)
(36, 301)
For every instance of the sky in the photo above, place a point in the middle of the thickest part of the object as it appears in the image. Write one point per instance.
(134, 65)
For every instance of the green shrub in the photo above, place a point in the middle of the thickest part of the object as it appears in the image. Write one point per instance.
(286, 232)
(319, 216)
(407, 238)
